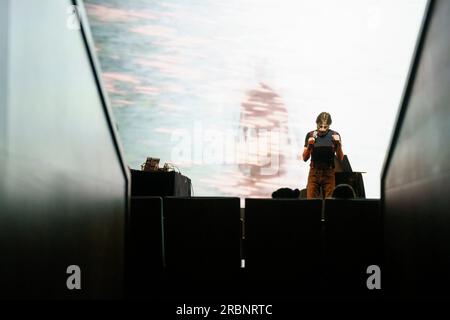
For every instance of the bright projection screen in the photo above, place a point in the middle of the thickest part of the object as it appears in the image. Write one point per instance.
(226, 91)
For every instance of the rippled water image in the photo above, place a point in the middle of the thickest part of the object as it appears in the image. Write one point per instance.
(226, 91)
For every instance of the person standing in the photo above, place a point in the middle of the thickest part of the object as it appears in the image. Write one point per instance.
(321, 145)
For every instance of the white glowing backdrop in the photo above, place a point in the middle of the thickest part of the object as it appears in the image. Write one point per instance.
(227, 90)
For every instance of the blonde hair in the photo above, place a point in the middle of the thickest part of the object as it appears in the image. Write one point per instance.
(324, 117)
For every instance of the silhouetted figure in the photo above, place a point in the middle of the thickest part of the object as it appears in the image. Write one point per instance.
(286, 193)
(343, 191)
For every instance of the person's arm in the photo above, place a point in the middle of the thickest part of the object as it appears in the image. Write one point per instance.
(307, 150)
(306, 154)
(339, 152)
(338, 145)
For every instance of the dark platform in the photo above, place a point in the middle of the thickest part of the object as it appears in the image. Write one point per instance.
(159, 183)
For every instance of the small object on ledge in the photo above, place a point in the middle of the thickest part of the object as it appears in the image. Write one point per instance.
(151, 164)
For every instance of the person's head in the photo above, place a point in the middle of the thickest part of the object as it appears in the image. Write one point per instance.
(323, 122)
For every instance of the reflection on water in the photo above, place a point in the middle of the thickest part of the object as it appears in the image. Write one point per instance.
(190, 83)
(264, 128)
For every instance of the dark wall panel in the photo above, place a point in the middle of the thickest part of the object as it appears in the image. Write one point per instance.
(417, 171)
(63, 185)
(353, 242)
(283, 247)
(202, 246)
(145, 247)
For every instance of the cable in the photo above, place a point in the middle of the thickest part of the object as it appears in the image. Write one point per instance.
(171, 167)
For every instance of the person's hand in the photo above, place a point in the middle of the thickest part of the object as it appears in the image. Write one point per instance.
(311, 142)
(336, 139)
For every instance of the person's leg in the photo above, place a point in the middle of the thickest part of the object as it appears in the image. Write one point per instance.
(328, 182)
(313, 187)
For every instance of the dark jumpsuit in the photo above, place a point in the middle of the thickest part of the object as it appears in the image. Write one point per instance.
(321, 172)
